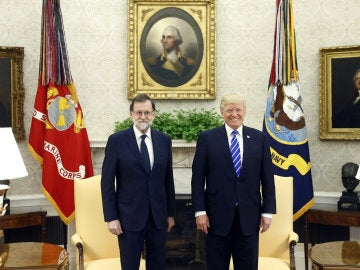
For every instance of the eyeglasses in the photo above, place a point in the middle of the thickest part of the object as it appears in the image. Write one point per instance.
(146, 113)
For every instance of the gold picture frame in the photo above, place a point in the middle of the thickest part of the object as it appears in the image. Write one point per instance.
(195, 23)
(338, 103)
(12, 93)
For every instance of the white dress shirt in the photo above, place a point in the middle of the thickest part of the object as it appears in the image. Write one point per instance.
(239, 137)
(148, 142)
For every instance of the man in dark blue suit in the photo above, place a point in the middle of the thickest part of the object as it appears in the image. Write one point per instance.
(229, 207)
(138, 191)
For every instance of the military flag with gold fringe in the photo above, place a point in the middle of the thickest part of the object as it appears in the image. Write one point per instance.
(58, 138)
(284, 121)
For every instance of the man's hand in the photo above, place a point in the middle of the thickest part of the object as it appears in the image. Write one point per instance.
(202, 223)
(114, 227)
(265, 223)
(171, 223)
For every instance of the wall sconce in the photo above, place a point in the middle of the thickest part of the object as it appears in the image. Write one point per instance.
(11, 163)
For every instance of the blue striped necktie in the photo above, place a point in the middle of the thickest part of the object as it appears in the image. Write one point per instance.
(235, 152)
(145, 154)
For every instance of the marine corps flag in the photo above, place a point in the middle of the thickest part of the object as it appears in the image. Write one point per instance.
(284, 121)
(58, 139)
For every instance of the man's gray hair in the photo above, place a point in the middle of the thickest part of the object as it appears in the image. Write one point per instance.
(175, 32)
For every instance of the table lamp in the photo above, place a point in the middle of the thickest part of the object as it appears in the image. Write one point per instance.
(11, 163)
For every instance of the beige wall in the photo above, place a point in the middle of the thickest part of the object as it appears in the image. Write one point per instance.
(96, 33)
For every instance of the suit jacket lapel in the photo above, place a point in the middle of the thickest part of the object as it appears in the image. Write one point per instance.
(155, 143)
(224, 144)
(133, 146)
(246, 140)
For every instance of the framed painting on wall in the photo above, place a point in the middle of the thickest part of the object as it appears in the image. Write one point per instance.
(340, 93)
(172, 49)
(12, 92)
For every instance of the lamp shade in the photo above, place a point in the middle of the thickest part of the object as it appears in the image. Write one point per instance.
(11, 163)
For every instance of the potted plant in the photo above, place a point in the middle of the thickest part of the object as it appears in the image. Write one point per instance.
(181, 124)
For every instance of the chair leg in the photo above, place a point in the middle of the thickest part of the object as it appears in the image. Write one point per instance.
(292, 255)
(81, 256)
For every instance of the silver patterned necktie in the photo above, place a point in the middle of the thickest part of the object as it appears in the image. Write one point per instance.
(235, 152)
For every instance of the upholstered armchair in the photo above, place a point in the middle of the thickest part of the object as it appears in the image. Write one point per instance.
(276, 247)
(97, 248)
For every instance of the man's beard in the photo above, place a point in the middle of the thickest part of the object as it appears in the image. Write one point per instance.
(143, 125)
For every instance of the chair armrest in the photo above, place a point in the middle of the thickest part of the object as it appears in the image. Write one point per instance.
(76, 238)
(293, 239)
(78, 242)
(293, 236)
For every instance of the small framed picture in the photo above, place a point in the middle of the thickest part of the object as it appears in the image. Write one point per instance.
(12, 90)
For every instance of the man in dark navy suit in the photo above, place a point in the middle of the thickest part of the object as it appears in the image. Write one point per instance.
(138, 190)
(230, 209)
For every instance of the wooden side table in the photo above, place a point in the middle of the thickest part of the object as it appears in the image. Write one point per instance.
(33, 255)
(336, 255)
(327, 214)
